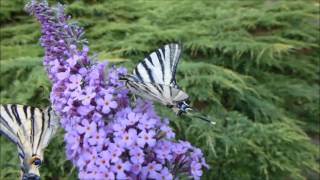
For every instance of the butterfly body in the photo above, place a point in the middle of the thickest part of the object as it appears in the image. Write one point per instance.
(30, 129)
(182, 107)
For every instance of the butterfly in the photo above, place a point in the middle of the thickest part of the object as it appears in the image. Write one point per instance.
(31, 130)
(154, 79)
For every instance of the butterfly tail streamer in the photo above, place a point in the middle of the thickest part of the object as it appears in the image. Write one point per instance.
(196, 114)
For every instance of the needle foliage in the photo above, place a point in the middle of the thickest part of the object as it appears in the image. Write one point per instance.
(252, 66)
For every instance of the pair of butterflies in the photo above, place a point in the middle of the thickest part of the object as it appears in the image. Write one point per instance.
(32, 128)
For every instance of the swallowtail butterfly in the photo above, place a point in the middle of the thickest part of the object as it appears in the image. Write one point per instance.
(30, 129)
(154, 79)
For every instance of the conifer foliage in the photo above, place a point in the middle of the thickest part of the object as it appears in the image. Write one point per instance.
(253, 66)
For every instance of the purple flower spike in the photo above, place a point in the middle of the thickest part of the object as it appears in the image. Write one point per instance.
(105, 137)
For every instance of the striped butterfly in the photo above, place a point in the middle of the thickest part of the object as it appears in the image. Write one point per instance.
(154, 79)
(30, 129)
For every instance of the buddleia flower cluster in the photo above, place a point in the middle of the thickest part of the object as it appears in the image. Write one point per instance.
(106, 138)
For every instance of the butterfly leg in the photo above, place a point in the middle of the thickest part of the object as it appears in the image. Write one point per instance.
(134, 100)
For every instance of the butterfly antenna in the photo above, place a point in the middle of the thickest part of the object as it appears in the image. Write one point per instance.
(123, 77)
(197, 114)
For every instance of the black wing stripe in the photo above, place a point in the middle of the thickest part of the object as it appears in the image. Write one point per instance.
(161, 62)
(144, 88)
(150, 60)
(132, 85)
(42, 129)
(171, 51)
(6, 124)
(32, 125)
(22, 169)
(161, 86)
(49, 116)
(136, 71)
(15, 113)
(160, 59)
(158, 89)
(8, 136)
(173, 79)
(7, 111)
(148, 71)
(21, 155)
(25, 110)
(140, 89)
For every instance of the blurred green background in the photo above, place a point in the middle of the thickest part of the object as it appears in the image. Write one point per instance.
(251, 65)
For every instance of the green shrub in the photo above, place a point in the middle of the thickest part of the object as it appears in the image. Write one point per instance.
(253, 66)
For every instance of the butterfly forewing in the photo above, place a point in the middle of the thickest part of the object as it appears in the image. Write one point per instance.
(160, 66)
(9, 124)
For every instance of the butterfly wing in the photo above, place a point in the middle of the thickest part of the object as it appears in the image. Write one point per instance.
(178, 95)
(154, 77)
(165, 94)
(10, 123)
(51, 127)
(159, 66)
(30, 129)
(45, 125)
(146, 90)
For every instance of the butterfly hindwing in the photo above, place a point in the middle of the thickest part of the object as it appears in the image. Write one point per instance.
(164, 94)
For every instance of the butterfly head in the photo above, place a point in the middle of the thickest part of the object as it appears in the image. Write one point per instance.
(31, 168)
(182, 107)
(30, 176)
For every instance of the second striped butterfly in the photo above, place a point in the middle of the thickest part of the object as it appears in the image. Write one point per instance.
(31, 130)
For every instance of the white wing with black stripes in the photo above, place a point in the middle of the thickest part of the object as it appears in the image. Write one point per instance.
(159, 66)
(154, 78)
(31, 129)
